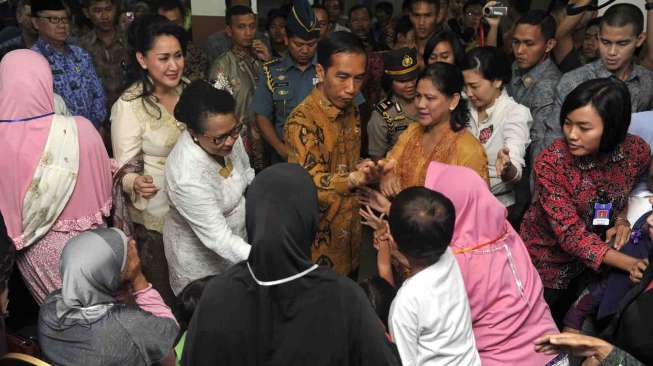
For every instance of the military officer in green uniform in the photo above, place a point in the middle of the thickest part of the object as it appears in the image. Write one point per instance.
(286, 81)
(393, 114)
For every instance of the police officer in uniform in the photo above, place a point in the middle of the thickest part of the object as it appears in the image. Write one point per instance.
(286, 81)
(393, 114)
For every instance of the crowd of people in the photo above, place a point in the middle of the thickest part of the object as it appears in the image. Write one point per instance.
(449, 183)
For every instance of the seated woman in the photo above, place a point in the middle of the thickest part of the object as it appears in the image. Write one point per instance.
(582, 184)
(85, 323)
(440, 134)
(503, 287)
(206, 176)
(429, 319)
(497, 121)
(56, 180)
(444, 46)
(278, 308)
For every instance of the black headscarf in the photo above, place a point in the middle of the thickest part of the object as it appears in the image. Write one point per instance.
(278, 308)
(282, 219)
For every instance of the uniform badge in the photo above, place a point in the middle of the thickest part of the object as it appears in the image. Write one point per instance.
(485, 134)
(281, 77)
(407, 61)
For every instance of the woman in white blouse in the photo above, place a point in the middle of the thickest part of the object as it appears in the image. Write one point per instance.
(500, 124)
(207, 174)
(143, 131)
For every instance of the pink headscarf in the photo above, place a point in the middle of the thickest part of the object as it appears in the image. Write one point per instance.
(26, 91)
(480, 218)
(504, 289)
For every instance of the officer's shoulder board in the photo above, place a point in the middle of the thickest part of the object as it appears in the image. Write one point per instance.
(268, 74)
(384, 105)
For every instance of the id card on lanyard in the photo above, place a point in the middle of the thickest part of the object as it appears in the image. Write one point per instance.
(602, 214)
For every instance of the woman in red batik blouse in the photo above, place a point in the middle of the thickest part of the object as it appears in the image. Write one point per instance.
(580, 181)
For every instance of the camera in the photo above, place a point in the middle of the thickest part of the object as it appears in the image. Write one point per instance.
(498, 10)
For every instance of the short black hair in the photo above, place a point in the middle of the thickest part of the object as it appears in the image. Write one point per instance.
(187, 301)
(385, 6)
(489, 62)
(87, 3)
(445, 36)
(338, 42)
(435, 3)
(43, 5)
(380, 293)
(621, 15)
(469, 3)
(448, 79)
(319, 6)
(422, 223)
(360, 7)
(611, 99)
(274, 14)
(237, 10)
(200, 100)
(167, 5)
(542, 19)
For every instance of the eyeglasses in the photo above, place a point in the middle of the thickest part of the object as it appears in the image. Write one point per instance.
(234, 133)
(56, 20)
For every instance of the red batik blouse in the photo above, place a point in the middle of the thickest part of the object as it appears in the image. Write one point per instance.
(556, 227)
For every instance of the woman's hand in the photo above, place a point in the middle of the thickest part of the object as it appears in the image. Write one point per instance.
(374, 199)
(370, 219)
(620, 232)
(637, 270)
(505, 168)
(390, 185)
(144, 186)
(577, 344)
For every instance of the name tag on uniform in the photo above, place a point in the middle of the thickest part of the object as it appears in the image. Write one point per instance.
(316, 81)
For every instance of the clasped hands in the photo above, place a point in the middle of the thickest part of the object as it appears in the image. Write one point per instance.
(368, 172)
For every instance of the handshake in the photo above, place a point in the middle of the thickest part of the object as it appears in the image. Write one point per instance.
(368, 172)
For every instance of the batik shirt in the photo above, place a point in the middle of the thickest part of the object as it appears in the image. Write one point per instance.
(556, 228)
(326, 142)
(75, 81)
(110, 63)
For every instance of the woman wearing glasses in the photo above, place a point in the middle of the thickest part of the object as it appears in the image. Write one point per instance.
(143, 131)
(206, 176)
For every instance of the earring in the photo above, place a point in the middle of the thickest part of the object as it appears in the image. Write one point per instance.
(195, 139)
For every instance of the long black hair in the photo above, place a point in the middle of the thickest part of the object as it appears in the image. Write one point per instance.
(141, 37)
(448, 79)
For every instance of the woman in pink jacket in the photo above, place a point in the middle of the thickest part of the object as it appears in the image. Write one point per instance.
(504, 289)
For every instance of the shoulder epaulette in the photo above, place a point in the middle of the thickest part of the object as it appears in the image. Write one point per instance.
(268, 74)
(384, 105)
